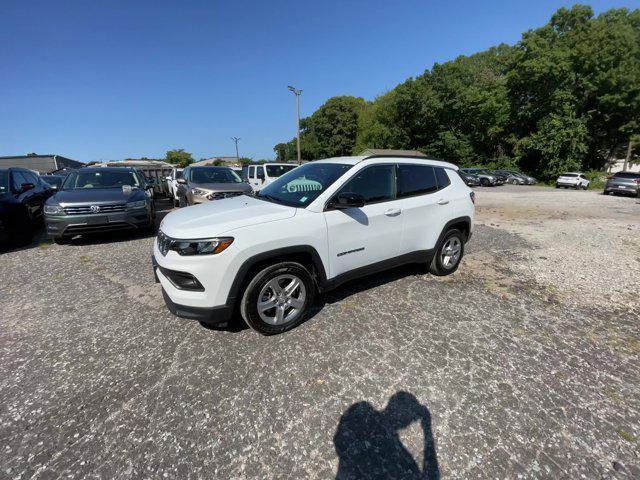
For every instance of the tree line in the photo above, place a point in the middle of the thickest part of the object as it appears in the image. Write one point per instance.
(565, 97)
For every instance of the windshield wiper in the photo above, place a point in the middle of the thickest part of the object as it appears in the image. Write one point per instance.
(269, 198)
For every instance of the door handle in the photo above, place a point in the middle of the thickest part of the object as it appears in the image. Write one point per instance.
(393, 212)
(442, 201)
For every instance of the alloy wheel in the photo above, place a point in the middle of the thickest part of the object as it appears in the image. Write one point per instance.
(450, 253)
(281, 299)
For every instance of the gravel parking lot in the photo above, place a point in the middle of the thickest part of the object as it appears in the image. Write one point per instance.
(524, 363)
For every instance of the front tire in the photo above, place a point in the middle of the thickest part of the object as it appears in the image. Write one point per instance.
(448, 254)
(278, 298)
(484, 182)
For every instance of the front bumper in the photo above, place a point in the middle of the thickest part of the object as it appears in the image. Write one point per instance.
(68, 225)
(218, 316)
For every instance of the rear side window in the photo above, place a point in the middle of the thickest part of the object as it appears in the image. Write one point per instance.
(442, 177)
(416, 180)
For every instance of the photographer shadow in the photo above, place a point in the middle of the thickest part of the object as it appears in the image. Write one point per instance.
(368, 444)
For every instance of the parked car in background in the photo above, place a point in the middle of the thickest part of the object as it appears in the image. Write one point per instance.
(470, 179)
(508, 177)
(172, 184)
(575, 180)
(486, 178)
(312, 229)
(23, 194)
(626, 183)
(262, 175)
(520, 178)
(54, 181)
(98, 199)
(202, 184)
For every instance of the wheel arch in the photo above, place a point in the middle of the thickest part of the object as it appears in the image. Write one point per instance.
(461, 223)
(304, 254)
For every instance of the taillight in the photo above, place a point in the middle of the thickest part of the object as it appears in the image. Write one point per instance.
(637, 180)
(473, 197)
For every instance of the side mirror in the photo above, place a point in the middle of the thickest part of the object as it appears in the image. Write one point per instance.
(181, 181)
(347, 200)
(27, 186)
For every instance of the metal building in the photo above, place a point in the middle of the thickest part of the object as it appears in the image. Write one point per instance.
(39, 163)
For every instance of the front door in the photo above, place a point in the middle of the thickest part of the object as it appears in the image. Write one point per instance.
(359, 237)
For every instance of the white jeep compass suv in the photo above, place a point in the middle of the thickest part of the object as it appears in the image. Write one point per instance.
(315, 227)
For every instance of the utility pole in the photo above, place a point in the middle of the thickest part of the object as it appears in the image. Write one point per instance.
(297, 94)
(236, 140)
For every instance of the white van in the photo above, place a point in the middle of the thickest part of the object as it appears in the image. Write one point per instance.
(260, 176)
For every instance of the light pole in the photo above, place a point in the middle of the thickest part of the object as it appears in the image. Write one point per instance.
(236, 140)
(297, 94)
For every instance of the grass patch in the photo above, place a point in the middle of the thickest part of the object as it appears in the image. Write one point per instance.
(627, 436)
(612, 395)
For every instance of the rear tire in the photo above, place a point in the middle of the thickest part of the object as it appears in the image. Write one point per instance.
(448, 254)
(484, 182)
(278, 298)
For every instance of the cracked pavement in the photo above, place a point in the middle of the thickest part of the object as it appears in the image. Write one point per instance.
(505, 369)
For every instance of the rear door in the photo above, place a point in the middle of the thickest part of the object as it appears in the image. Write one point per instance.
(363, 236)
(425, 193)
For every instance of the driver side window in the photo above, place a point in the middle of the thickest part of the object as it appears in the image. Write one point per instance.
(376, 184)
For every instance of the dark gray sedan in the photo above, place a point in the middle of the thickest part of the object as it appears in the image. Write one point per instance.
(99, 199)
(627, 183)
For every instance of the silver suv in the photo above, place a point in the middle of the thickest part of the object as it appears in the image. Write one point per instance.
(206, 183)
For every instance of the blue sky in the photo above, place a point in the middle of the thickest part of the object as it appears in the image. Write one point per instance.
(113, 79)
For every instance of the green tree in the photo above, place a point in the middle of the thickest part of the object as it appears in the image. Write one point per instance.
(330, 132)
(179, 157)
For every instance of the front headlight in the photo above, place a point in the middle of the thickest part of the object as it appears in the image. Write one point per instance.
(208, 246)
(200, 192)
(139, 204)
(53, 210)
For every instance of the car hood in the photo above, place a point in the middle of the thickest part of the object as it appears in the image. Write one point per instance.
(223, 187)
(210, 219)
(96, 196)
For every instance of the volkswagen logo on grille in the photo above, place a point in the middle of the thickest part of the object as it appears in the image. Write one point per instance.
(95, 208)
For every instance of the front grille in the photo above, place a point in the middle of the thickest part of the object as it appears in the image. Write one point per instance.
(221, 195)
(93, 209)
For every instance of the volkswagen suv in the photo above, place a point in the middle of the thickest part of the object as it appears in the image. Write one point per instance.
(324, 223)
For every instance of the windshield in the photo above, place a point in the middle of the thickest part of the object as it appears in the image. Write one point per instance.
(569, 175)
(178, 174)
(622, 175)
(53, 181)
(214, 175)
(4, 181)
(302, 186)
(274, 171)
(104, 179)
